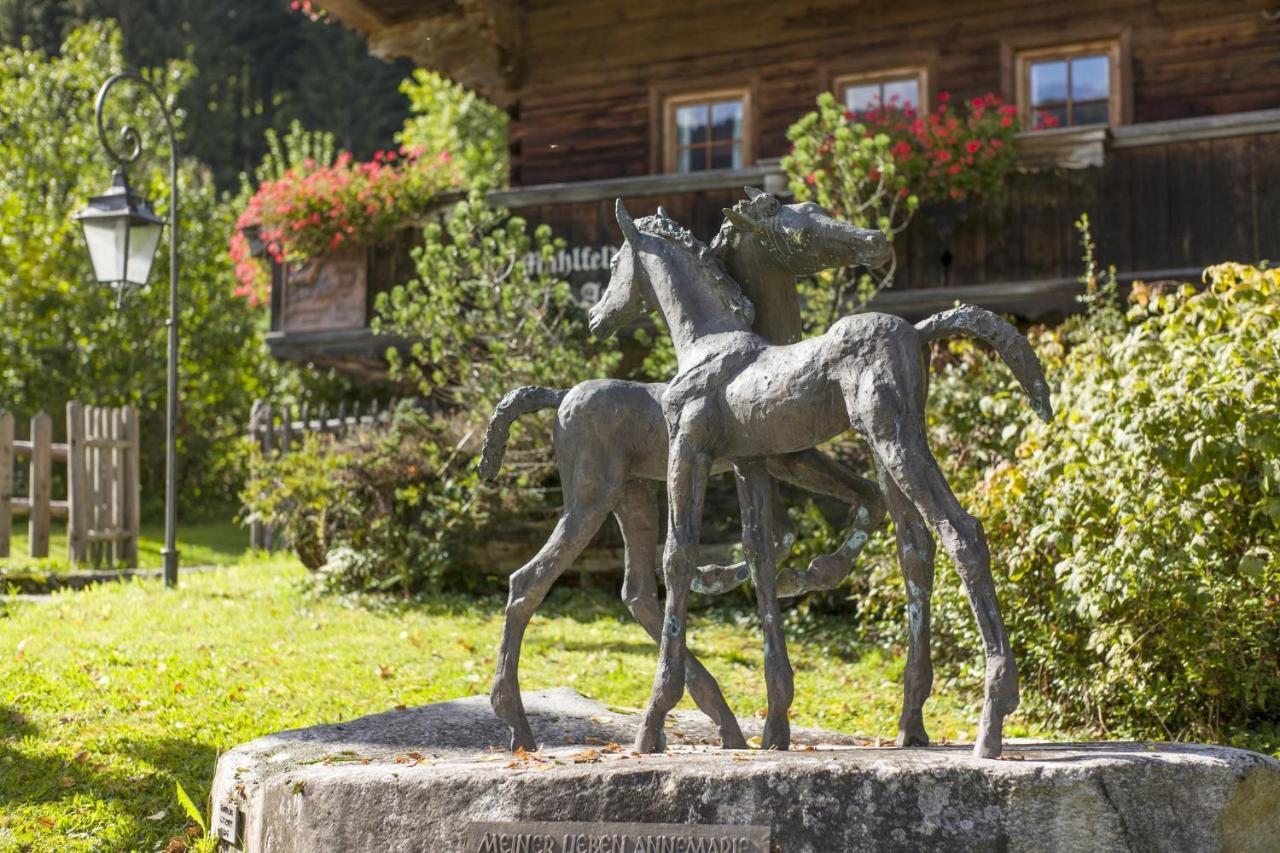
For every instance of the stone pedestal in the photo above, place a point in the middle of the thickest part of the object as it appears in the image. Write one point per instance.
(416, 780)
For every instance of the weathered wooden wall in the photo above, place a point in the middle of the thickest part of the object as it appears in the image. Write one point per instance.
(1175, 206)
(593, 73)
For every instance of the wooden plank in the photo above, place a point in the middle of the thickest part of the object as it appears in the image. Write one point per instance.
(1151, 238)
(77, 517)
(101, 483)
(57, 452)
(22, 507)
(133, 486)
(6, 481)
(116, 494)
(41, 474)
(1266, 194)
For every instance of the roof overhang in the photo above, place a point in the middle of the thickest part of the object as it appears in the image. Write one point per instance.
(474, 42)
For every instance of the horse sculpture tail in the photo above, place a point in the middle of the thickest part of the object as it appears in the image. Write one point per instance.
(521, 401)
(972, 322)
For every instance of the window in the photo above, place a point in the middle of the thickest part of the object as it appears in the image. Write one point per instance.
(1070, 86)
(904, 88)
(707, 131)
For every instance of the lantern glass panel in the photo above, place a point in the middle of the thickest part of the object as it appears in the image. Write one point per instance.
(143, 239)
(105, 237)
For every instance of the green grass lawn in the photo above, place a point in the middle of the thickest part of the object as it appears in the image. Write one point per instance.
(217, 543)
(110, 696)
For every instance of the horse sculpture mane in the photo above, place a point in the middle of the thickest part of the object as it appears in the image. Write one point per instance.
(761, 208)
(661, 225)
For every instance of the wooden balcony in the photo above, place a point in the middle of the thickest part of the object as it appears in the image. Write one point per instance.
(1165, 200)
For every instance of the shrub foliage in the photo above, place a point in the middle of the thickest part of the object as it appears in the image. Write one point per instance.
(1136, 538)
(399, 510)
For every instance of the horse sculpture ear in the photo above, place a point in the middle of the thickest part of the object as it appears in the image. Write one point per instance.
(626, 223)
(662, 211)
(746, 223)
(753, 193)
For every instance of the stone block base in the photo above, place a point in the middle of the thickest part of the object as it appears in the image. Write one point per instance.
(415, 780)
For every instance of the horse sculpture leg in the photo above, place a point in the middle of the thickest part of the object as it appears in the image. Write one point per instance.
(916, 551)
(637, 514)
(755, 492)
(589, 497)
(687, 470)
(895, 428)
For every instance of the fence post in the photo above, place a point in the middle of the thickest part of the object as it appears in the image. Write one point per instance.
(6, 481)
(41, 472)
(77, 508)
(133, 486)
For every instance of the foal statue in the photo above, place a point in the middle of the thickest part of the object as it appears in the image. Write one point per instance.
(611, 444)
(735, 397)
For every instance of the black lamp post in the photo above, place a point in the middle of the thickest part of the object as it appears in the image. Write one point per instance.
(122, 234)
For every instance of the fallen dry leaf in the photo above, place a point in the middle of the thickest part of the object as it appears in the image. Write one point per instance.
(586, 756)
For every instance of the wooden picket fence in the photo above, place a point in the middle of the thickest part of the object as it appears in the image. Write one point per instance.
(103, 501)
(277, 429)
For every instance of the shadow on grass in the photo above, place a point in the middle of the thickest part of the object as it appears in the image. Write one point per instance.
(141, 793)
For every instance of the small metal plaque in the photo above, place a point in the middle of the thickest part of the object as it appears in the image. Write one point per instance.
(228, 826)
(556, 837)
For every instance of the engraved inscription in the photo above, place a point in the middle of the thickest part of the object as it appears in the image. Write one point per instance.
(229, 825)
(555, 837)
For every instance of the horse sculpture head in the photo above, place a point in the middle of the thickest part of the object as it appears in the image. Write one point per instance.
(708, 293)
(801, 237)
(628, 294)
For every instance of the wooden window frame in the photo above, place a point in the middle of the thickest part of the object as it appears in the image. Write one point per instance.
(881, 76)
(673, 101)
(1118, 99)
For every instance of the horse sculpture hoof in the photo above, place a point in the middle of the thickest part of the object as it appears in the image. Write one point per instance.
(915, 736)
(777, 735)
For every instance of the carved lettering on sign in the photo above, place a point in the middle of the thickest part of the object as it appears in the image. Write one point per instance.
(586, 268)
(552, 837)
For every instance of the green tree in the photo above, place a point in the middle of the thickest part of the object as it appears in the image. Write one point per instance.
(66, 337)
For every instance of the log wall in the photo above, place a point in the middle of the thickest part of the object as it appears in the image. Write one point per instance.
(594, 74)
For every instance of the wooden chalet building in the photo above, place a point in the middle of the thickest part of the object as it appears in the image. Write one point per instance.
(1170, 138)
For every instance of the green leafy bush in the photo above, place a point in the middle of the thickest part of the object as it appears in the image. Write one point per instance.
(1136, 538)
(382, 509)
(398, 509)
(447, 119)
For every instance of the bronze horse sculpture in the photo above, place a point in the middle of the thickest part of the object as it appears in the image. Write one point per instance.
(613, 426)
(610, 442)
(735, 397)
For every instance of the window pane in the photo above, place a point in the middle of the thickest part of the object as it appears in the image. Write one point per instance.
(1052, 117)
(726, 156)
(1090, 112)
(1048, 83)
(683, 159)
(726, 120)
(859, 99)
(902, 93)
(691, 124)
(1090, 78)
